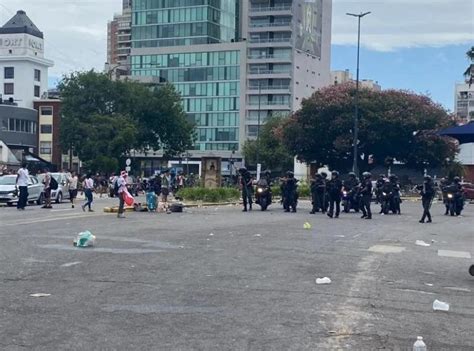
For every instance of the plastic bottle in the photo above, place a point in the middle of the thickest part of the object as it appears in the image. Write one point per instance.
(419, 345)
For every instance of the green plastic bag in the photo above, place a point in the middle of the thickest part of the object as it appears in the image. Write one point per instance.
(84, 239)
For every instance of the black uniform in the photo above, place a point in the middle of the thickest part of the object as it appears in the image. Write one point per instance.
(318, 189)
(247, 190)
(290, 195)
(334, 188)
(427, 195)
(366, 192)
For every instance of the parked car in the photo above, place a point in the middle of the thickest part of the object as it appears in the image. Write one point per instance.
(468, 191)
(62, 192)
(9, 193)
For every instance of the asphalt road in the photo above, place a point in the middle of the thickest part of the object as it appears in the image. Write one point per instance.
(218, 279)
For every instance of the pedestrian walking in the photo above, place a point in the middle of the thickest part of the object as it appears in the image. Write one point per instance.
(427, 193)
(22, 184)
(88, 186)
(72, 180)
(47, 189)
(165, 188)
(121, 186)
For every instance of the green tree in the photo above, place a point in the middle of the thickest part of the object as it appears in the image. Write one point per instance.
(273, 154)
(393, 124)
(469, 73)
(102, 120)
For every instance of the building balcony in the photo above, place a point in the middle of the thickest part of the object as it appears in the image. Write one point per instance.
(270, 27)
(268, 58)
(269, 89)
(270, 42)
(269, 105)
(264, 10)
(268, 74)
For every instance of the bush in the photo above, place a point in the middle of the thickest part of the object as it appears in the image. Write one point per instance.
(209, 195)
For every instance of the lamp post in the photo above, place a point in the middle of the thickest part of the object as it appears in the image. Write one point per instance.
(355, 167)
(258, 120)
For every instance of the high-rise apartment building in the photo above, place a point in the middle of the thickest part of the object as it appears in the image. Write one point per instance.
(119, 42)
(235, 63)
(464, 102)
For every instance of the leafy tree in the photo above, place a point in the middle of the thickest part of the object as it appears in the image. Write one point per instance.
(273, 154)
(104, 119)
(469, 73)
(393, 124)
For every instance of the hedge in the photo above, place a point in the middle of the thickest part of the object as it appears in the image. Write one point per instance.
(209, 195)
(303, 190)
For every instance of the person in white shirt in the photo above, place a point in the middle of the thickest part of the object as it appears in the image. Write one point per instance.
(72, 180)
(88, 186)
(122, 189)
(22, 184)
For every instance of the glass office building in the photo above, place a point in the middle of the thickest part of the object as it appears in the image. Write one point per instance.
(209, 83)
(208, 79)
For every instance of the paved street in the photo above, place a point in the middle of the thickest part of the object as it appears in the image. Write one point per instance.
(218, 279)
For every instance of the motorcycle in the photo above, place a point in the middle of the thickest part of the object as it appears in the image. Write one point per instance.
(263, 197)
(454, 202)
(350, 201)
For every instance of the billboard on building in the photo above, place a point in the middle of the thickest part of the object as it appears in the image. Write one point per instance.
(308, 17)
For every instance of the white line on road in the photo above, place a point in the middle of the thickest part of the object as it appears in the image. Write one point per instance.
(454, 254)
(50, 219)
(71, 264)
(386, 249)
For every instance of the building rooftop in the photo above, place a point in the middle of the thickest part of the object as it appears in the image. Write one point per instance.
(21, 23)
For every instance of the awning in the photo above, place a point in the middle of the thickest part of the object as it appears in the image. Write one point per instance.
(464, 134)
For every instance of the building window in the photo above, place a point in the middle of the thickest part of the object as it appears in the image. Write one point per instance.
(46, 110)
(46, 129)
(9, 72)
(45, 147)
(8, 89)
(37, 75)
(37, 91)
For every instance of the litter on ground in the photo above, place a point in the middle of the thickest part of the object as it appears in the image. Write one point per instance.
(40, 295)
(324, 280)
(440, 306)
(421, 243)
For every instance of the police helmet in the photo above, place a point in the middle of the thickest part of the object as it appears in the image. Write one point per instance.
(427, 177)
(290, 174)
(324, 174)
(457, 179)
(352, 175)
(335, 173)
(366, 175)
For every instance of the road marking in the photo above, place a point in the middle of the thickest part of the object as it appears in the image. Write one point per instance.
(457, 289)
(71, 264)
(62, 210)
(454, 254)
(386, 249)
(51, 219)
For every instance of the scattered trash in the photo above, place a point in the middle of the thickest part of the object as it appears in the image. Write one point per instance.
(211, 234)
(421, 243)
(258, 235)
(307, 226)
(340, 236)
(440, 306)
(84, 239)
(419, 345)
(40, 295)
(428, 284)
(324, 280)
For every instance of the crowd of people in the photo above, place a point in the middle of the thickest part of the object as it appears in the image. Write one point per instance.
(329, 194)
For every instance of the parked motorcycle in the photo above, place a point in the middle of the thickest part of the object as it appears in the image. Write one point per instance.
(263, 197)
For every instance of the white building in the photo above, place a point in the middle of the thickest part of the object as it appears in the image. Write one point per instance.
(23, 68)
(341, 77)
(464, 102)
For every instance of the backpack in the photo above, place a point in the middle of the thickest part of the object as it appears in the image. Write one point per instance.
(116, 187)
(53, 184)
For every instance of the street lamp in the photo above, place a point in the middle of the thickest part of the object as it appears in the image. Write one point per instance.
(258, 120)
(355, 167)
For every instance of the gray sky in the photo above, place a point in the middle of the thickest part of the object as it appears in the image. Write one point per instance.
(75, 30)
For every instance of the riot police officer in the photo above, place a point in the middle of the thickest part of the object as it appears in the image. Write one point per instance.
(290, 195)
(427, 193)
(396, 198)
(323, 193)
(378, 188)
(316, 194)
(366, 192)
(334, 188)
(247, 188)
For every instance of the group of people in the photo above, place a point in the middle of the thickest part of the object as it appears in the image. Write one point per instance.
(327, 194)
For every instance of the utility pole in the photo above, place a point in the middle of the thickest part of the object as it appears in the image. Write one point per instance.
(355, 167)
